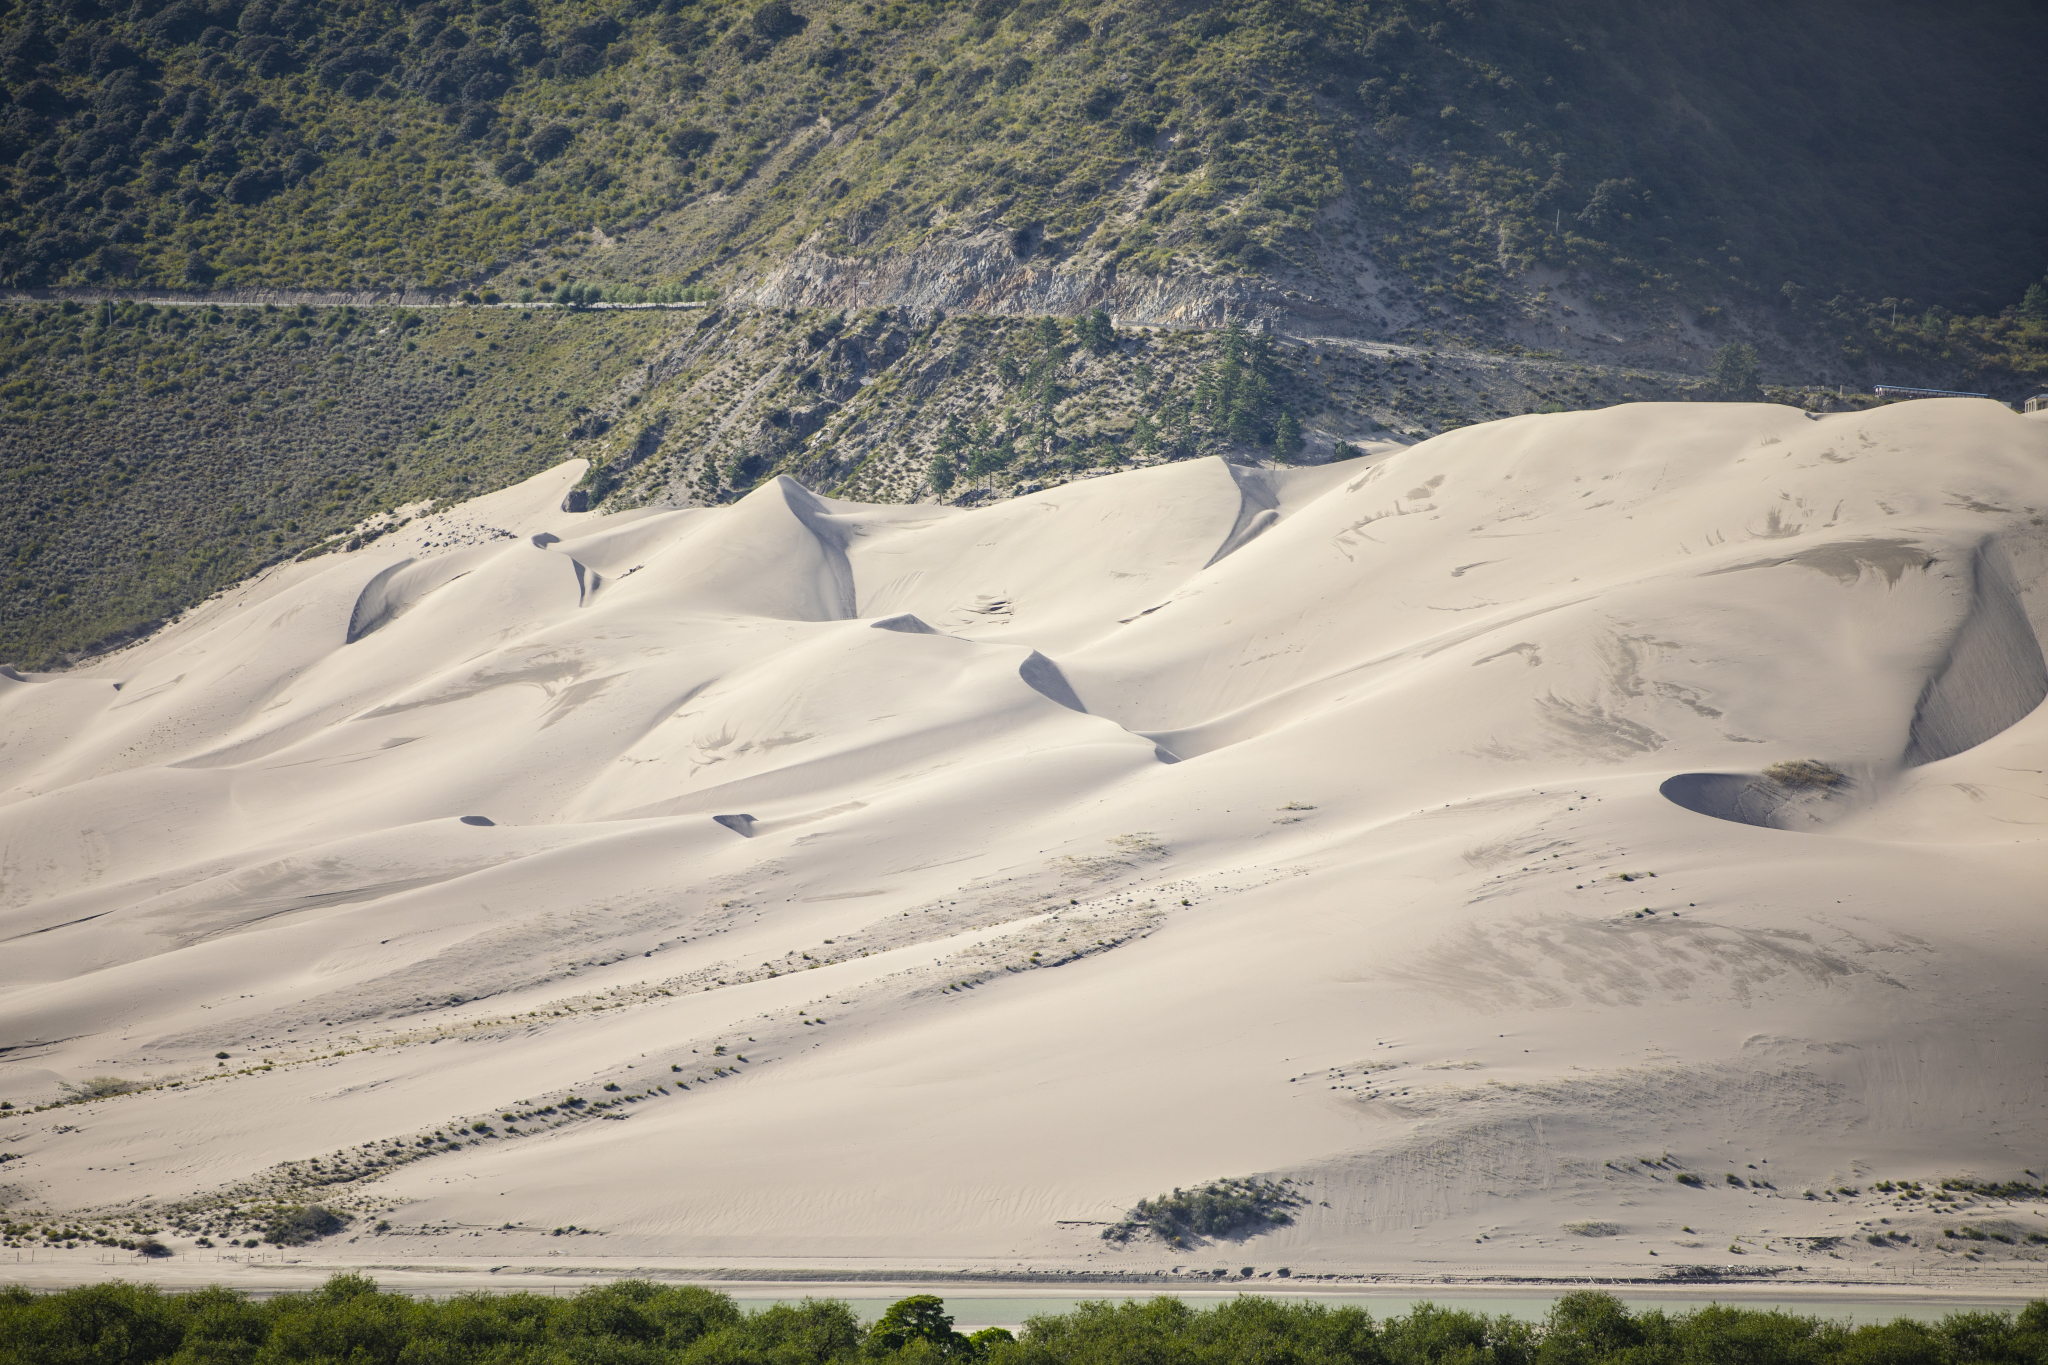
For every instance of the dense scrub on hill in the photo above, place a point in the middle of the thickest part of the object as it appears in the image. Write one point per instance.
(637, 1323)
(2005, 355)
(886, 409)
(155, 456)
(1667, 153)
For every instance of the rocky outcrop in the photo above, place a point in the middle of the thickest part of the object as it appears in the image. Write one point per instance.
(985, 273)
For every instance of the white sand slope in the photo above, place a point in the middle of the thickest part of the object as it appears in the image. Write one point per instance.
(1398, 827)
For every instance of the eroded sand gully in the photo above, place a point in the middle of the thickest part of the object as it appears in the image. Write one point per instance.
(1480, 835)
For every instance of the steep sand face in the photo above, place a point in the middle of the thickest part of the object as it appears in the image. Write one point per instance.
(1481, 834)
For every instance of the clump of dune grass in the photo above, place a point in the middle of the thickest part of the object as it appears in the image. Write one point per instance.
(1803, 772)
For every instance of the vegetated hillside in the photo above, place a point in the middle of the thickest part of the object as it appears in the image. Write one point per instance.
(1404, 162)
(157, 455)
(882, 407)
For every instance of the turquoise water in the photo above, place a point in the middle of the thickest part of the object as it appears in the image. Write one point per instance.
(971, 1311)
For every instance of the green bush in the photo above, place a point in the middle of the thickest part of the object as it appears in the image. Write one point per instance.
(300, 1224)
(1224, 1208)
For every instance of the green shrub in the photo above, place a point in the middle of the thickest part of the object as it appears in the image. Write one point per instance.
(299, 1224)
(1224, 1208)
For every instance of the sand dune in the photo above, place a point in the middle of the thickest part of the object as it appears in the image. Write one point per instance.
(1480, 834)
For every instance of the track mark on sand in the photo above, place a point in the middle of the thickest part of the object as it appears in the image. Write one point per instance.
(1551, 964)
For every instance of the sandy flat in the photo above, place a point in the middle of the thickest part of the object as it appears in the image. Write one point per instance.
(1405, 829)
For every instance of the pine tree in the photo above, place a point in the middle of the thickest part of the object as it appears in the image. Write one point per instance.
(2035, 304)
(989, 456)
(1144, 435)
(1736, 373)
(1243, 425)
(1234, 340)
(1095, 331)
(1178, 421)
(1286, 436)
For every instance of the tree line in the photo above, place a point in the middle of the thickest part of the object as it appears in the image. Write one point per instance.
(350, 1321)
